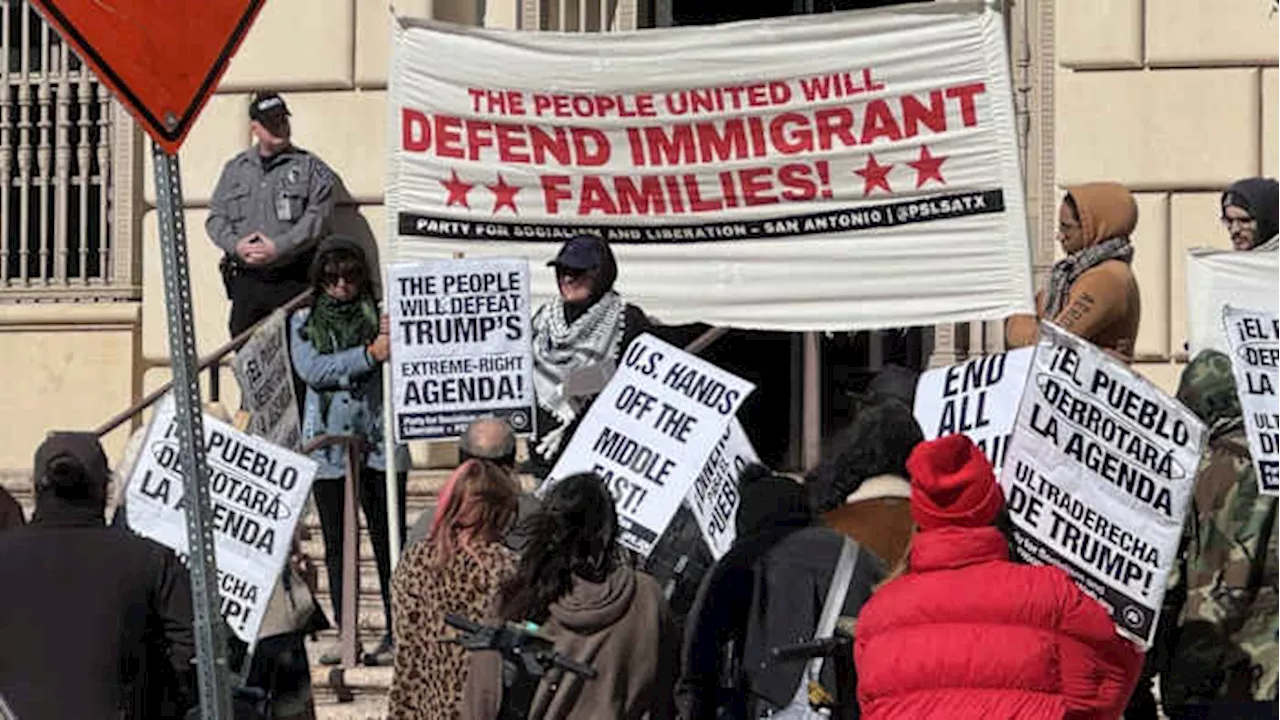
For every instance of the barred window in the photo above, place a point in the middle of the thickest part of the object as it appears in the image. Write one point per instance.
(55, 141)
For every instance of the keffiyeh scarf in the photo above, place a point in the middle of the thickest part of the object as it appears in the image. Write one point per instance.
(560, 348)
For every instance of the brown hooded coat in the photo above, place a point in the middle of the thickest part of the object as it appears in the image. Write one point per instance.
(1103, 305)
(621, 628)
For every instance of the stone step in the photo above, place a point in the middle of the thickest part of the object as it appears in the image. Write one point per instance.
(365, 706)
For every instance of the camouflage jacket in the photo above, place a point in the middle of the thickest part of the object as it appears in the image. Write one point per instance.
(1226, 647)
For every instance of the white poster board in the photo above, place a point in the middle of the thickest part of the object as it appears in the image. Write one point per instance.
(460, 346)
(1099, 473)
(264, 372)
(801, 173)
(1254, 338)
(649, 433)
(1217, 278)
(978, 398)
(713, 499)
(257, 492)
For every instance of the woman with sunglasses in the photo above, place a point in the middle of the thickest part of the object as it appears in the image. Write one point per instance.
(586, 325)
(338, 346)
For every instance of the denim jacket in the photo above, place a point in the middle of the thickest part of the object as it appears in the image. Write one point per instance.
(355, 381)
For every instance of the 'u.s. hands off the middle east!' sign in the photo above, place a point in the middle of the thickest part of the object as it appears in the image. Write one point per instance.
(978, 398)
(1254, 339)
(460, 346)
(257, 492)
(1098, 476)
(649, 434)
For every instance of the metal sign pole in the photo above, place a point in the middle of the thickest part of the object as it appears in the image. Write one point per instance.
(211, 651)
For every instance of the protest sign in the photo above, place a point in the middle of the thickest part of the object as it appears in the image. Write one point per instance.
(265, 374)
(1217, 278)
(649, 433)
(744, 174)
(1098, 476)
(460, 346)
(1254, 338)
(978, 398)
(713, 499)
(257, 492)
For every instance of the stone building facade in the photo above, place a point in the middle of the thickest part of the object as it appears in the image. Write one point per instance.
(1175, 98)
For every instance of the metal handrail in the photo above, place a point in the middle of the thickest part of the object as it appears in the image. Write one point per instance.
(354, 447)
(211, 360)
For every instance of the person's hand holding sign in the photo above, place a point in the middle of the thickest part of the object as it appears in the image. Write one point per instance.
(380, 348)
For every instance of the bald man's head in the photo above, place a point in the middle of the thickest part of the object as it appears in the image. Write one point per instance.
(489, 439)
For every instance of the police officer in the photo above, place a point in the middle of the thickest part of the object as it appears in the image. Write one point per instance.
(272, 204)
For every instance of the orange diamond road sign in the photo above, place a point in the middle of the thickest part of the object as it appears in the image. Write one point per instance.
(161, 58)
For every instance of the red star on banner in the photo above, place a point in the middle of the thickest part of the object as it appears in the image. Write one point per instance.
(504, 195)
(457, 191)
(874, 175)
(928, 167)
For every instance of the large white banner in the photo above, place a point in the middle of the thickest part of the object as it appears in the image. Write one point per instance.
(649, 433)
(264, 372)
(460, 346)
(257, 492)
(713, 499)
(838, 171)
(978, 398)
(1217, 278)
(1099, 473)
(1254, 338)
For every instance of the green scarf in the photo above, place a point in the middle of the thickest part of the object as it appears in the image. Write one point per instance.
(336, 326)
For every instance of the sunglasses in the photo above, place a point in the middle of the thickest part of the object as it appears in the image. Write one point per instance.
(352, 277)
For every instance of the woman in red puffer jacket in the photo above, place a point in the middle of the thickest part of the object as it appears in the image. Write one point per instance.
(964, 632)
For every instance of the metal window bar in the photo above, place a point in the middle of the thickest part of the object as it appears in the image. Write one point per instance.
(580, 16)
(56, 133)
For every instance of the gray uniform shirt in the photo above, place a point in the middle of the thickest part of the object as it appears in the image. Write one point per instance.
(288, 198)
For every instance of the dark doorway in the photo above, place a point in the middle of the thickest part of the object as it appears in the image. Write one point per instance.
(710, 12)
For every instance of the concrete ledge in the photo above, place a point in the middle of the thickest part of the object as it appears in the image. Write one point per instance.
(69, 316)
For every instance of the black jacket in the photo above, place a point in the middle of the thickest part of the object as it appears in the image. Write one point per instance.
(767, 592)
(10, 511)
(87, 612)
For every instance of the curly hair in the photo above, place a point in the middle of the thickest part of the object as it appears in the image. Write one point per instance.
(574, 534)
(877, 442)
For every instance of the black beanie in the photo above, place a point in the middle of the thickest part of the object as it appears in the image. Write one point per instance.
(767, 499)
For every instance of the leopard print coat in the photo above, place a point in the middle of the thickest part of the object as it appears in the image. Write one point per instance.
(429, 675)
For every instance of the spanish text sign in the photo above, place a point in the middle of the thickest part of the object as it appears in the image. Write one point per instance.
(257, 492)
(800, 173)
(1099, 473)
(460, 346)
(649, 434)
(1254, 338)
(265, 374)
(714, 498)
(978, 398)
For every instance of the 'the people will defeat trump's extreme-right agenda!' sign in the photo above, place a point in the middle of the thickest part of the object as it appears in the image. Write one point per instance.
(460, 346)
